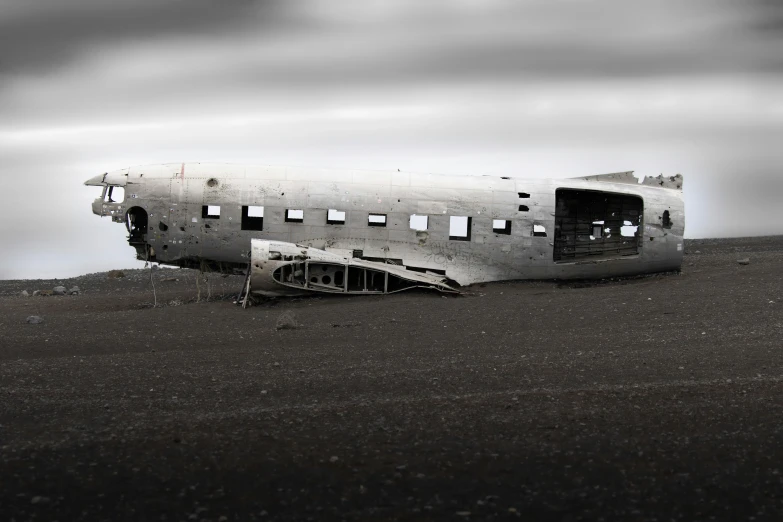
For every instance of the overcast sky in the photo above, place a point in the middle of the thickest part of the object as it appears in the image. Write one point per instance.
(526, 88)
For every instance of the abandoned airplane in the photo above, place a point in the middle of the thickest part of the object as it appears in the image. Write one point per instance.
(359, 232)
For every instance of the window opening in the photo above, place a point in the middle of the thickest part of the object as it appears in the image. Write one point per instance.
(590, 224)
(459, 228)
(252, 217)
(523, 195)
(376, 220)
(628, 230)
(418, 222)
(539, 231)
(210, 212)
(667, 222)
(294, 215)
(598, 230)
(523, 208)
(114, 194)
(335, 217)
(501, 226)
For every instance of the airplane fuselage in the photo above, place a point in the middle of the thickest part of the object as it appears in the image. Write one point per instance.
(467, 229)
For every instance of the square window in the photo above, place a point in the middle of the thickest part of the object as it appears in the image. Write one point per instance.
(418, 222)
(252, 218)
(210, 212)
(335, 217)
(539, 231)
(501, 226)
(294, 215)
(376, 220)
(459, 228)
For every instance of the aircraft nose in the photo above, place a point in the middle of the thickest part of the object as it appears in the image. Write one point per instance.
(96, 181)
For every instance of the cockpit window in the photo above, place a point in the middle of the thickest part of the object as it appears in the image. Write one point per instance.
(114, 194)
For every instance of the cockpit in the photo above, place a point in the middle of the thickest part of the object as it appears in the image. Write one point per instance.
(110, 202)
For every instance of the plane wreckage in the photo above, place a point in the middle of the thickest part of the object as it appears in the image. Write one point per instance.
(295, 230)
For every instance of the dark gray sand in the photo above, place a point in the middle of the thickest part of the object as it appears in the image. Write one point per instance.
(653, 398)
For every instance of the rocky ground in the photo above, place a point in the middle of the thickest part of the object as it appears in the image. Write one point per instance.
(653, 398)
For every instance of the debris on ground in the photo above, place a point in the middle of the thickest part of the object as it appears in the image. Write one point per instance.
(35, 319)
(745, 261)
(59, 290)
(114, 274)
(347, 324)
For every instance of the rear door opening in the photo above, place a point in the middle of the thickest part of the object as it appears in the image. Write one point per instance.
(594, 224)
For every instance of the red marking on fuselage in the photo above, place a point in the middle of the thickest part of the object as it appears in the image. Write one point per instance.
(182, 173)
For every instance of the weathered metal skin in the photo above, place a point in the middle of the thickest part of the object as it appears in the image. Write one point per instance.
(177, 231)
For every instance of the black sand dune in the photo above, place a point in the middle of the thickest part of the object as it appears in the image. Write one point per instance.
(654, 398)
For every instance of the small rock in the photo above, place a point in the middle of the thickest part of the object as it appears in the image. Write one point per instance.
(333, 458)
(39, 499)
(35, 319)
(286, 321)
(745, 261)
(59, 290)
(25, 293)
(75, 290)
(36, 292)
(697, 252)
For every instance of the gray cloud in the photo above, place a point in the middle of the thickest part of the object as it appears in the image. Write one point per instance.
(344, 41)
(539, 88)
(44, 35)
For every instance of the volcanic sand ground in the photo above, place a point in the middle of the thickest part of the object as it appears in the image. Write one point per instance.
(651, 398)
